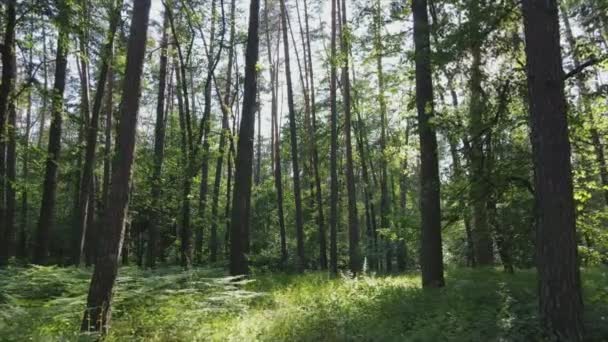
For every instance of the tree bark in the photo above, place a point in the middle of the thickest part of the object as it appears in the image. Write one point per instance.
(98, 312)
(560, 300)
(7, 134)
(241, 206)
(431, 258)
(301, 262)
(49, 188)
(85, 200)
(159, 150)
(333, 156)
(354, 251)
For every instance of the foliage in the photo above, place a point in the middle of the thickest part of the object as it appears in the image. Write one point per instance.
(168, 304)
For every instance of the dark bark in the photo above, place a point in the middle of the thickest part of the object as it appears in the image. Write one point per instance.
(479, 192)
(49, 188)
(354, 251)
(7, 137)
(560, 300)
(159, 151)
(226, 112)
(301, 261)
(84, 199)
(206, 124)
(315, 153)
(241, 206)
(276, 141)
(431, 258)
(384, 198)
(98, 312)
(333, 154)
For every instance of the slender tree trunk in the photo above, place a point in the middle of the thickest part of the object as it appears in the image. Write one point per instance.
(482, 237)
(159, 151)
(353, 223)
(560, 300)
(301, 262)
(49, 188)
(241, 207)
(204, 188)
(333, 158)
(22, 235)
(7, 134)
(384, 200)
(45, 73)
(85, 199)
(431, 257)
(276, 140)
(98, 312)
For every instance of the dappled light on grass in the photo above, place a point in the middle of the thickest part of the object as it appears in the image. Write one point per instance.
(169, 304)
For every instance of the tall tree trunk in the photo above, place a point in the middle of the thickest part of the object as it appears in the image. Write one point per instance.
(560, 300)
(301, 262)
(204, 188)
(241, 206)
(431, 256)
(354, 252)
(7, 134)
(85, 200)
(276, 141)
(98, 312)
(49, 188)
(159, 150)
(226, 112)
(482, 237)
(333, 156)
(384, 198)
(315, 153)
(23, 222)
(45, 73)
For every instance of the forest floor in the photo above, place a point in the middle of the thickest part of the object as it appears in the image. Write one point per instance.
(46, 304)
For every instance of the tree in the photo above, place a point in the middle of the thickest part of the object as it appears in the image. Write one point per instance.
(7, 133)
(560, 300)
(49, 188)
(301, 262)
(159, 148)
(98, 313)
(353, 221)
(431, 256)
(333, 157)
(241, 205)
(85, 200)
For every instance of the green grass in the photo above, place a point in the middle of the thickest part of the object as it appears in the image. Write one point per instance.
(46, 304)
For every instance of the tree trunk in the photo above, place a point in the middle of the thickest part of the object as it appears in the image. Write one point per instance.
(85, 200)
(226, 112)
(482, 237)
(7, 134)
(384, 200)
(241, 207)
(159, 150)
(204, 188)
(49, 188)
(560, 300)
(431, 256)
(354, 251)
(301, 262)
(98, 312)
(333, 157)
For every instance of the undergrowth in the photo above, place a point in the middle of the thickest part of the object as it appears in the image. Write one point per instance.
(46, 304)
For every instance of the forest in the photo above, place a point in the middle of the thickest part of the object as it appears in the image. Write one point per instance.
(303, 170)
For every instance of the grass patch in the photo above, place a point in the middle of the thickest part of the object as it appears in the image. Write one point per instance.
(46, 303)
